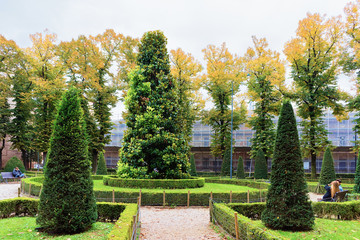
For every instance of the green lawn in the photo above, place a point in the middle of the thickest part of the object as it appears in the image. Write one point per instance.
(208, 187)
(24, 228)
(325, 229)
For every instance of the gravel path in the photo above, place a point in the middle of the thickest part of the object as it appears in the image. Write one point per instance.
(9, 190)
(176, 223)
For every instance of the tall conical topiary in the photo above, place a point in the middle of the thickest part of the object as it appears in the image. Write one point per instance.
(67, 202)
(287, 204)
(240, 173)
(357, 176)
(153, 142)
(225, 165)
(327, 174)
(192, 166)
(101, 169)
(261, 171)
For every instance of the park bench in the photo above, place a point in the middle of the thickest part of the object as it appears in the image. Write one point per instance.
(8, 175)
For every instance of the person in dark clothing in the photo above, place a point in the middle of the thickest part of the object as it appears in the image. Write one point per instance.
(330, 191)
(17, 173)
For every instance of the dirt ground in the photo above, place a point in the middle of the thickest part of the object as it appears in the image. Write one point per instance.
(180, 223)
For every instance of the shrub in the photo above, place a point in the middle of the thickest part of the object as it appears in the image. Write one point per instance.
(67, 202)
(153, 183)
(12, 163)
(240, 174)
(287, 205)
(18, 207)
(250, 210)
(327, 174)
(101, 169)
(261, 171)
(192, 166)
(225, 165)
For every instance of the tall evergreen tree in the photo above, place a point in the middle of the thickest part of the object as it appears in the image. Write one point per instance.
(287, 204)
(240, 173)
(225, 166)
(101, 170)
(261, 170)
(357, 176)
(154, 139)
(192, 166)
(67, 203)
(327, 174)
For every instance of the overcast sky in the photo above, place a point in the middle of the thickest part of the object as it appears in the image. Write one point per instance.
(188, 24)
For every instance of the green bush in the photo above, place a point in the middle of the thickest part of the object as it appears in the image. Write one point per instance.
(287, 204)
(224, 216)
(153, 183)
(327, 174)
(250, 210)
(123, 228)
(12, 163)
(109, 211)
(101, 169)
(192, 166)
(240, 182)
(240, 174)
(18, 207)
(357, 176)
(261, 171)
(225, 165)
(67, 202)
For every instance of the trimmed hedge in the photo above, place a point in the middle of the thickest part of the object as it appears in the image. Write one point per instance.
(122, 213)
(240, 182)
(156, 199)
(114, 181)
(344, 210)
(224, 215)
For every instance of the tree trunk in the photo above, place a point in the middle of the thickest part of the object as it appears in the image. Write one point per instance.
(44, 158)
(24, 158)
(1, 149)
(312, 146)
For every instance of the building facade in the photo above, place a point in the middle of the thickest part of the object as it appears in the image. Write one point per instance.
(340, 134)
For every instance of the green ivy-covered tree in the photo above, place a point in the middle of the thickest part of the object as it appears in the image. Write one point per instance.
(240, 173)
(192, 166)
(67, 202)
(261, 170)
(153, 140)
(327, 174)
(287, 204)
(101, 169)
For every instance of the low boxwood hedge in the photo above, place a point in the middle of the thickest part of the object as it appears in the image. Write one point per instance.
(155, 198)
(119, 212)
(240, 182)
(114, 181)
(344, 210)
(224, 215)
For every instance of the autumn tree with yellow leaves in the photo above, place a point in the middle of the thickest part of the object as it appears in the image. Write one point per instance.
(186, 72)
(224, 72)
(314, 57)
(266, 76)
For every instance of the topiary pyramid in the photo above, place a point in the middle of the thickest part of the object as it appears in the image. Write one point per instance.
(101, 168)
(67, 202)
(287, 204)
(192, 166)
(240, 174)
(261, 170)
(327, 174)
(12, 163)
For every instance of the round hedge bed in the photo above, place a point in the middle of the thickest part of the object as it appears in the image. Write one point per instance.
(114, 181)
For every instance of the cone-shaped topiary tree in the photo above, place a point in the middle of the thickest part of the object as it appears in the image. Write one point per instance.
(327, 174)
(357, 176)
(67, 202)
(192, 166)
(287, 204)
(261, 171)
(240, 173)
(225, 165)
(12, 163)
(153, 144)
(101, 169)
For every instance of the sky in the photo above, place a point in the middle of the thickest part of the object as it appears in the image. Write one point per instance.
(188, 24)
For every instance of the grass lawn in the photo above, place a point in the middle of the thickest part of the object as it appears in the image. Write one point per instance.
(325, 229)
(208, 187)
(344, 185)
(24, 228)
